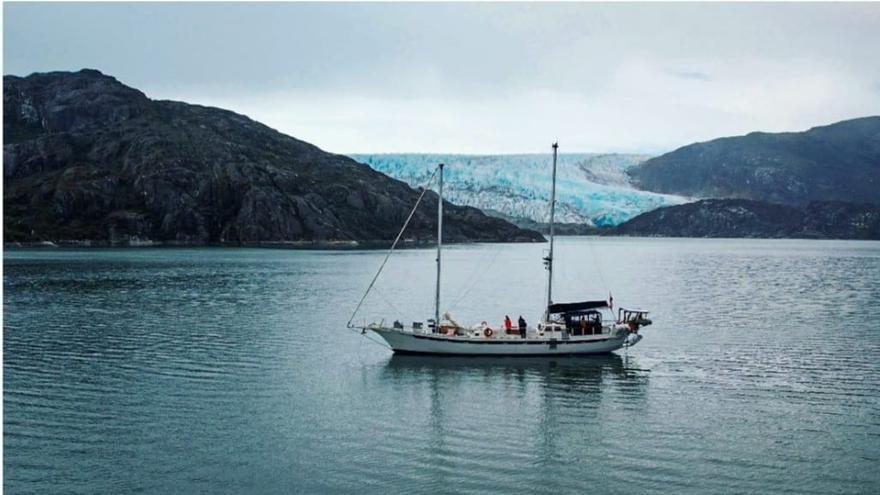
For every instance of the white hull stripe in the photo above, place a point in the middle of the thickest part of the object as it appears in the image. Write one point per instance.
(509, 341)
(429, 344)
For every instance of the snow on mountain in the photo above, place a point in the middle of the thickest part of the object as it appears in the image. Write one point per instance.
(592, 189)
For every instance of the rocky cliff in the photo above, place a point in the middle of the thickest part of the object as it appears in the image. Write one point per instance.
(748, 218)
(88, 158)
(838, 162)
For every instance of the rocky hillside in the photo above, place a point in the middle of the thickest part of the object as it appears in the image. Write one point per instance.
(748, 218)
(835, 162)
(88, 158)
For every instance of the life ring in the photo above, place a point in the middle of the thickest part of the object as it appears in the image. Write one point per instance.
(488, 332)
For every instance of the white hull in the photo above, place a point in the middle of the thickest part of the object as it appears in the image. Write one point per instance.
(408, 342)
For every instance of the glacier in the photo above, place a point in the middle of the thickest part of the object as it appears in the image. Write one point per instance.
(591, 188)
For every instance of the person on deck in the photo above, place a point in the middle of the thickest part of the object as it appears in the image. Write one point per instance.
(508, 325)
(522, 327)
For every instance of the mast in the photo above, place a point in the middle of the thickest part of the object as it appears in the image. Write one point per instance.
(549, 259)
(439, 250)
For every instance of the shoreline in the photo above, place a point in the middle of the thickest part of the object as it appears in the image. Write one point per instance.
(293, 245)
(352, 245)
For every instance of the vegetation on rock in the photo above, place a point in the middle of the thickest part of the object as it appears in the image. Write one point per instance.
(88, 158)
(838, 162)
(748, 218)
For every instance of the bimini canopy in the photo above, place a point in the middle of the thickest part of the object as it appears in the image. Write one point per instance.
(576, 306)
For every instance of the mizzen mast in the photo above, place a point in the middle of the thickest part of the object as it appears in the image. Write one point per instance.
(548, 260)
(439, 249)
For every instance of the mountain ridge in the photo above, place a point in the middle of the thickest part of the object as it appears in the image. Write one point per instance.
(738, 218)
(834, 162)
(87, 158)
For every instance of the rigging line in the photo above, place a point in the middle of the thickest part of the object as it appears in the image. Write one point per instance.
(388, 302)
(477, 275)
(380, 344)
(393, 245)
(367, 336)
(598, 264)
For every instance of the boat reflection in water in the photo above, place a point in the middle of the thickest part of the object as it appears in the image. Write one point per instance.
(521, 383)
(520, 420)
(573, 366)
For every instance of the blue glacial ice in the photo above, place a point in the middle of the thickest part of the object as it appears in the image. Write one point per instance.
(592, 189)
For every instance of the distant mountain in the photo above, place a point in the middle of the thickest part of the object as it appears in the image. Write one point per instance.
(749, 218)
(592, 189)
(88, 158)
(835, 162)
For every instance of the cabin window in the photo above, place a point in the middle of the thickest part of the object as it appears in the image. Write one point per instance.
(583, 323)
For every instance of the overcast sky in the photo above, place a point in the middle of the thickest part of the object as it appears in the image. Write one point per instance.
(477, 78)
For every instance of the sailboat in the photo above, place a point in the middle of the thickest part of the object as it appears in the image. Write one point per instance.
(574, 328)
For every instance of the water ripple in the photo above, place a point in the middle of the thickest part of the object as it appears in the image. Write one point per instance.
(228, 371)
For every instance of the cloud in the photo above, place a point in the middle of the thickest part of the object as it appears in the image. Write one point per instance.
(477, 77)
(666, 112)
(695, 75)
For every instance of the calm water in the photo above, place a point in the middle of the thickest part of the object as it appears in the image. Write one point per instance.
(231, 371)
